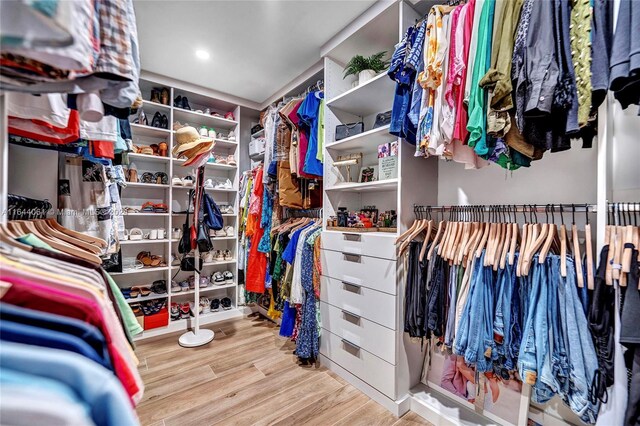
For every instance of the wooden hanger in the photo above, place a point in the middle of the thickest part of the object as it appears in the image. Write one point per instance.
(441, 227)
(79, 235)
(7, 238)
(408, 232)
(422, 225)
(427, 237)
(589, 254)
(577, 257)
(43, 226)
(504, 254)
(29, 227)
(523, 247)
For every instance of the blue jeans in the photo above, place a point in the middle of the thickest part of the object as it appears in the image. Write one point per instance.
(400, 109)
(580, 351)
(506, 324)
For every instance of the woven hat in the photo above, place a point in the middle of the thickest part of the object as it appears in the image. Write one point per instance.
(188, 138)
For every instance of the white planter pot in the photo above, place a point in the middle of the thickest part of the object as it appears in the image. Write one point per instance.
(365, 76)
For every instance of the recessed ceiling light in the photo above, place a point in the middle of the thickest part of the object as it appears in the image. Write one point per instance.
(202, 54)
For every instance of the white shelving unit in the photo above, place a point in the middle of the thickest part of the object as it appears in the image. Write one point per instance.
(135, 194)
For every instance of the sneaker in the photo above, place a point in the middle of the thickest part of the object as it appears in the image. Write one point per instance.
(184, 285)
(227, 255)
(232, 136)
(205, 305)
(215, 305)
(219, 255)
(175, 287)
(227, 184)
(207, 257)
(204, 282)
(175, 311)
(228, 277)
(229, 231)
(208, 184)
(218, 278)
(226, 303)
(187, 181)
(185, 310)
(220, 233)
(176, 181)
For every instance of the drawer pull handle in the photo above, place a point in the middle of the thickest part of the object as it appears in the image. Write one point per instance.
(355, 287)
(353, 345)
(352, 237)
(351, 314)
(351, 257)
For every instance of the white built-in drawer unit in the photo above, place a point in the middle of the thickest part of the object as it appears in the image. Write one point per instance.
(360, 331)
(371, 304)
(360, 270)
(359, 362)
(367, 244)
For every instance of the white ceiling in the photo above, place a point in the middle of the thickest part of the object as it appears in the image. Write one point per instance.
(256, 46)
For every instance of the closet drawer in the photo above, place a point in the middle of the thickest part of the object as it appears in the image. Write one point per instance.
(359, 362)
(370, 304)
(368, 335)
(360, 270)
(360, 243)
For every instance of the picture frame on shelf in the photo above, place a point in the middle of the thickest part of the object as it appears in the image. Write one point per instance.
(368, 174)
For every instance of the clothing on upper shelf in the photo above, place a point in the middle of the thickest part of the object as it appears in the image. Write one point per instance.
(65, 335)
(504, 81)
(101, 58)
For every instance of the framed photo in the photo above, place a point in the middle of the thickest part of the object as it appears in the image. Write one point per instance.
(383, 150)
(368, 174)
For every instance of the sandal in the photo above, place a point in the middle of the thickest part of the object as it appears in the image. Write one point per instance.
(148, 207)
(161, 178)
(130, 210)
(147, 177)
(231, 160)
(159, 287)
(132, 173)
(144, 291)
(144, 257)
(160, 208)
(126, 292)
(135, 292)
(136, 308)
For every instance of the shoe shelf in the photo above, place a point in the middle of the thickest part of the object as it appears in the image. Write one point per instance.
(146, 157)
(208, 288)
(257, 134)
(215, 166)
(141, 192)
(135, 242)
(200, 119)
(145, 185)
(146, 214)
(379, 185)
(155, 105)
(152, 296)
(149, 132)
(140, 271)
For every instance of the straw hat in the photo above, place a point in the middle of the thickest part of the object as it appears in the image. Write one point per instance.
(188, 138)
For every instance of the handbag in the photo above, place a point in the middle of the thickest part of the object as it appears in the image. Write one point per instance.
(188, 264)
(382, 119)
(348, 130)
(184, 246)
(212, 214)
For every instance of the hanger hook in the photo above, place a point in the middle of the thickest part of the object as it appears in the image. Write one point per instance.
(573, 214)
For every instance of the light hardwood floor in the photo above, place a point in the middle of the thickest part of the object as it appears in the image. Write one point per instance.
(248, 376)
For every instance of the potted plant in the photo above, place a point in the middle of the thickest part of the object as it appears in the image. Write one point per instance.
(366, 68)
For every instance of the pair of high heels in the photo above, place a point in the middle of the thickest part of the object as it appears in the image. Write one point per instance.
(160, 121)
(160, 96)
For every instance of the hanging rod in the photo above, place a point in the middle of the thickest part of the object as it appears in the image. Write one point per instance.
(514, 208)
(297, 213)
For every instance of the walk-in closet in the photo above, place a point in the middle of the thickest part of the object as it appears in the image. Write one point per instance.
(268, 212)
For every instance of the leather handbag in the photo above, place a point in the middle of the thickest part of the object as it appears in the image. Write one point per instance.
(184, 246)
(382, 119)
(188, 264)
(347, 130)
